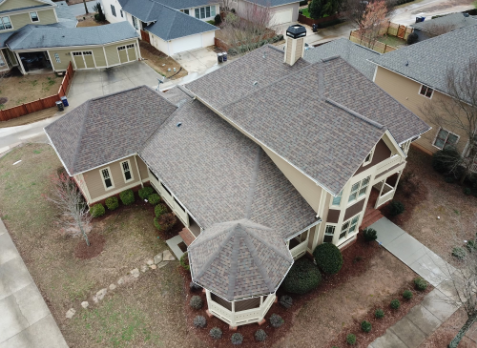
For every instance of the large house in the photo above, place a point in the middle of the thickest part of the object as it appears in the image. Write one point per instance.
(261, 160)
(42, 35)
(170, 26)
(416, 77)
(280, 11)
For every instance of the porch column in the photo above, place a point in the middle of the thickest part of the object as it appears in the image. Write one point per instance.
(20, 64)
(261, 300)
(397, 181)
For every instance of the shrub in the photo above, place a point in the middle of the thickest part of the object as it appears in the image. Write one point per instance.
(260, 335)
(127, 197)
(215, 333)
(328, 257)
(396, 208)
(276, 321)
(237, 339)
(395, 304)
(194, 287)
(286, 301)
(366, 326)
(97, 210)
(165, 222)
(443, 161)
(154, 198)
(217, 19)
(160, 209)
(351, 339)
(459, 253)
(471, 246)
(184, 261)
(145, 192)
(420, 284)
(379, 313)
(407, 294)
(303, 277)
(412, 38)
(449, 179)
(199, 321)
(112, 203)
(467, 191)
(370, 234)
(212, 22)
(196, 302)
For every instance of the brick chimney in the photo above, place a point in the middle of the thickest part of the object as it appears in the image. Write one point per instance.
(294, 44)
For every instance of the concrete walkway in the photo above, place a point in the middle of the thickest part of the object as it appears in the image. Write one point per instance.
(436, 307)
(25, 320)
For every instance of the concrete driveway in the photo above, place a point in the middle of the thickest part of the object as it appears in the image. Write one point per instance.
(79, 9)
(88, 84)
(197, 61)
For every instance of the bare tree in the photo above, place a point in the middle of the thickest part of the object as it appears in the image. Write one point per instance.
(354, 10)
(371, 23)
(85, 7)
(67, 197)
(458, 114)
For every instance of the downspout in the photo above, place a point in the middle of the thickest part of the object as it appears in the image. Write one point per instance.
(138, 172)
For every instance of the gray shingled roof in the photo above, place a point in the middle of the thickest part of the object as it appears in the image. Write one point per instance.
(272, 3)
(64, 13)
(354, 54)
(169, 23)
(108, 128)
(220, 175)
(47, 36)
(454, 20)
(319, 117)
(178, 95)
(428, 61)
(144, 5)
(239, 259)
(40, 5)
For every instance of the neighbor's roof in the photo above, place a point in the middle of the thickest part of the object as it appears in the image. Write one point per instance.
(108, 128)
(354, 54)
(323, 118)
(64, 13)
(41, 3)
(453, 20)
(46, 36)
(176, 4)
(169, 23)
(239, 259)
(272, 3)
(178, 95)
(428, 61)
(220, 175)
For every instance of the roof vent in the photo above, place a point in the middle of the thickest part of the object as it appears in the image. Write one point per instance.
(179, 124)
(407, 63)
(255, 83)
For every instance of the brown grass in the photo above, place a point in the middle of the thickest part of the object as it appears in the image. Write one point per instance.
(160, 61)
(89, 21)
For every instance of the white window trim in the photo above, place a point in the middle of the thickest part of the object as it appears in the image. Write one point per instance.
(358, 198)
(130, 171)
(341, 200)
(448, 131)
(423, 95)
(352, 234)
(11, 23)
(37, 16)
(84, 60)
(371, 155)
(205, 12)
(334, 232)
(110, 177)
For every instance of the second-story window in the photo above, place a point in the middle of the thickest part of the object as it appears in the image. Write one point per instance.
(358, 190)
(445, 139)
(337, 199)
(113, 10)
(34, 17)
(5, 23)
(134, 20)
(426, 91)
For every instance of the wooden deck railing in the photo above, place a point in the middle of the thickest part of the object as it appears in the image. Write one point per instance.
(42, 103)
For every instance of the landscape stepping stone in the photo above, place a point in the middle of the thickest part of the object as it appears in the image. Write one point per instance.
(135, 273)
(150, 262)
(144, 268)
(100, 295)
(153, 266)
(112, 287)
(167, 256)
(158, 258)
(162, 264)
(85, 304)
(71, 312)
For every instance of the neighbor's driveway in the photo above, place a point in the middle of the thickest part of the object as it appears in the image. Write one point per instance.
(79, 9)
(197, 61)
(25, 320)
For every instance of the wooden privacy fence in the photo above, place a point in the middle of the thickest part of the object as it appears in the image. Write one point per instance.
(391, 29)
(42, 103)
(376, 45)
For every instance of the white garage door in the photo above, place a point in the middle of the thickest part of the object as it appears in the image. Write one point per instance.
(283, 16)
(186, 44)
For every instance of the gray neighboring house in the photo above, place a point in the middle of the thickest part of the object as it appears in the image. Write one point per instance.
(441, 25)
(281, 11)
(172, 27)
(356, 55)
(261, 161)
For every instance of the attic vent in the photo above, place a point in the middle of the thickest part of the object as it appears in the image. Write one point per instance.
(255, 83)
(179, 124)
(407, 63)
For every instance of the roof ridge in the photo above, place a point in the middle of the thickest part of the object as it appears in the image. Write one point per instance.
(87, 105)
(253, 181)
(355, 114)
(258, 262)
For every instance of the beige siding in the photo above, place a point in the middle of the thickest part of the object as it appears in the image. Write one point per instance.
(95, 185)
(12, 56)
(310, 191)
(142, 169)
(406, 92)
(20, 20)
(65, 58)
(46, 17)
(17, 4)
(99, 57)
(112, 54)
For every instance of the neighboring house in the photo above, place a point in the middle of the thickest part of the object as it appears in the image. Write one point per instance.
(42, 35)
(441, 25)
(356, 55)
(270, 152)
(170, 26)
(281, 11)
(416, 76)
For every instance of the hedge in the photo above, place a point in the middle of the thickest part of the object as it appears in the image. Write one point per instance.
(303, 277)
(112, 203)
(145, 192)
(97, 210)
(328, 257)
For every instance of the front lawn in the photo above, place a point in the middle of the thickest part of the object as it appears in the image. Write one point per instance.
(393, 41)
(305, 12)
(144, 313)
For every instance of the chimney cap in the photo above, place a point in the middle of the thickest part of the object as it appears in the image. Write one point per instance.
(296, 31)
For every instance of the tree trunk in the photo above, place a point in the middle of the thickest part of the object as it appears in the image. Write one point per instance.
(86, 9)
(84, 233)
(471, 320)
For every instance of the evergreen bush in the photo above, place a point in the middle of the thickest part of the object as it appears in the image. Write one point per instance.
(328, 258)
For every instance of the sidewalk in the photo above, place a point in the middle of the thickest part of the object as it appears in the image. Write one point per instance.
(25, 320)
(436, 307)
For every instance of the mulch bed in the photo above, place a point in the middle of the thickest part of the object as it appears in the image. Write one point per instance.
(84, 252)
(357, 258)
